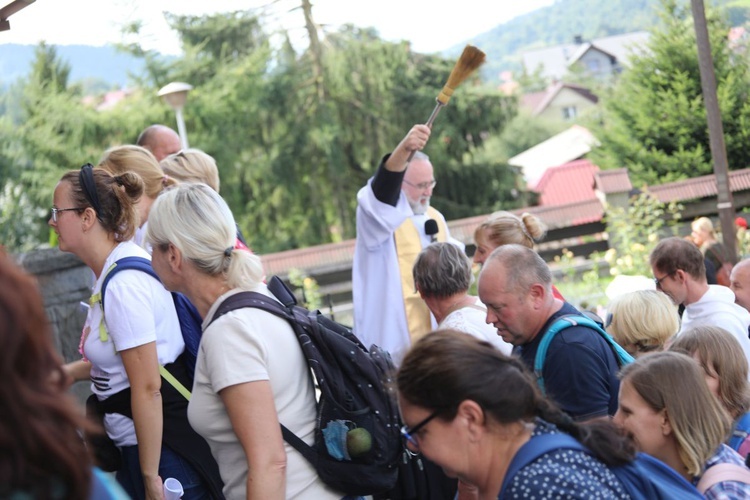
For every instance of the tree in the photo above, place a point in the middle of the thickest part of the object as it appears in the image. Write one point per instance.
(654, 122)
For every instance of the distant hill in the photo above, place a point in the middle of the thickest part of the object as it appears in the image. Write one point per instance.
(86, 63)
(565, 19)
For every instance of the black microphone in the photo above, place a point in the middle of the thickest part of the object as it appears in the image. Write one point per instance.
(431, 229)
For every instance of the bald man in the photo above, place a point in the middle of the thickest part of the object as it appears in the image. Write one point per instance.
(739, 282)
(161, 140)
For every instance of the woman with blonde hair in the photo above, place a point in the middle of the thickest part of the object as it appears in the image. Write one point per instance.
(131, 158)
(642, 321)
(192, 165)
(704, 236)
(251, 374)
(666, 406)
(504, 228)
(726, 370)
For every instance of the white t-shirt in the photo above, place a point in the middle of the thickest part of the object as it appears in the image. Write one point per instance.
(472, 320)
(247, 345)
(139, 310)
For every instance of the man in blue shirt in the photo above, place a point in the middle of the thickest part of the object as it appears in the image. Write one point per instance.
(580, 369)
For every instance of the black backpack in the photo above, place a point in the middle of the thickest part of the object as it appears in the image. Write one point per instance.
(357, 403)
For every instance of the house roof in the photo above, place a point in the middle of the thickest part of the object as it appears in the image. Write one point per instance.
(699, 187)
(555, 60)
(339, 255)
(583, 49)
(553, 90)
(568, 183)
(566, 146)
(613, 181)
(10, 8)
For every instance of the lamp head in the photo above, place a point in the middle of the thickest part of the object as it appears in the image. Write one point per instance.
(175, 94)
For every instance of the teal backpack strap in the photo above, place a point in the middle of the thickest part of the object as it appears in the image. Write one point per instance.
(623, 358)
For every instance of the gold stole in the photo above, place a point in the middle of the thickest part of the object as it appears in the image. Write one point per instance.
(408, 246)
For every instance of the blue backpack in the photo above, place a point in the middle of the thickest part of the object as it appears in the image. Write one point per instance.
(190, 319)
(563, 322)
(645, 478)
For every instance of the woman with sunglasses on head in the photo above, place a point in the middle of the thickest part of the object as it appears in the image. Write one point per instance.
(123, 346)
(470, 409)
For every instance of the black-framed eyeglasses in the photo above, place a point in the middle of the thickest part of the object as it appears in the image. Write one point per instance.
(657, 281)
(56, 211)
(411, 434)
(422, 186)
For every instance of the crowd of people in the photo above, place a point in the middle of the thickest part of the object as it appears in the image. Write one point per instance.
(512, 393)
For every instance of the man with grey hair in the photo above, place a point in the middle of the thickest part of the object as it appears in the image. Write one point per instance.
(394, 222)
(580, 368)
(442, 276)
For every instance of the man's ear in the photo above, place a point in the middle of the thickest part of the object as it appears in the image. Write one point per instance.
(537, 292)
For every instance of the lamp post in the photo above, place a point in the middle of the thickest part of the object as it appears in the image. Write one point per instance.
(175, 94)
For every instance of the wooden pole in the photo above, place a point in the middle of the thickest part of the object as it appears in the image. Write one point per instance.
(724, 206)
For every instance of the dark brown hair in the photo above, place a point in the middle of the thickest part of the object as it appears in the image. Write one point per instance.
(674, 253)
(118, 195)
(43, 454)
(447, 367)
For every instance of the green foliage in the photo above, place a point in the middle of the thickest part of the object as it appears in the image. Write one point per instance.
(634, 232)
(295, 136)
(654, 122)
(307, 287)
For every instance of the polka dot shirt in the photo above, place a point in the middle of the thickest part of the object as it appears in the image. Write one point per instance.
(564, 474)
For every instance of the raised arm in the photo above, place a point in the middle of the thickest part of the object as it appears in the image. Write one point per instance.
(386, 185)
(415, 140)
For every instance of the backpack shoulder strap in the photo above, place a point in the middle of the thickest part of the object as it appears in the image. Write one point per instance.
(137, 263)
(535, 448)
(723, 472)
(252, 299)
(260, 301)
(566, 321)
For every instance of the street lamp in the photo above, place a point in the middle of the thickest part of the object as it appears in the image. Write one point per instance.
(175, 94)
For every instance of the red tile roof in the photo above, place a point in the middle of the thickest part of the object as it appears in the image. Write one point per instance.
(699, 187)
(613, 181)
(339, 255)
(567, 183)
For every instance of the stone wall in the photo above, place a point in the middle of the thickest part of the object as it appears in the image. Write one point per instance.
(65, 282)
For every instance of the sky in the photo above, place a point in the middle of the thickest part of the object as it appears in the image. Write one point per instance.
(97, 22)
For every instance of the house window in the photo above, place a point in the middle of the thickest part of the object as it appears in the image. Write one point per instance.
(569, 112)
(593, 65)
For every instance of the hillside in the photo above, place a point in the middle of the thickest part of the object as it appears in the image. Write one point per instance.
(561, 22)
(552, 25)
